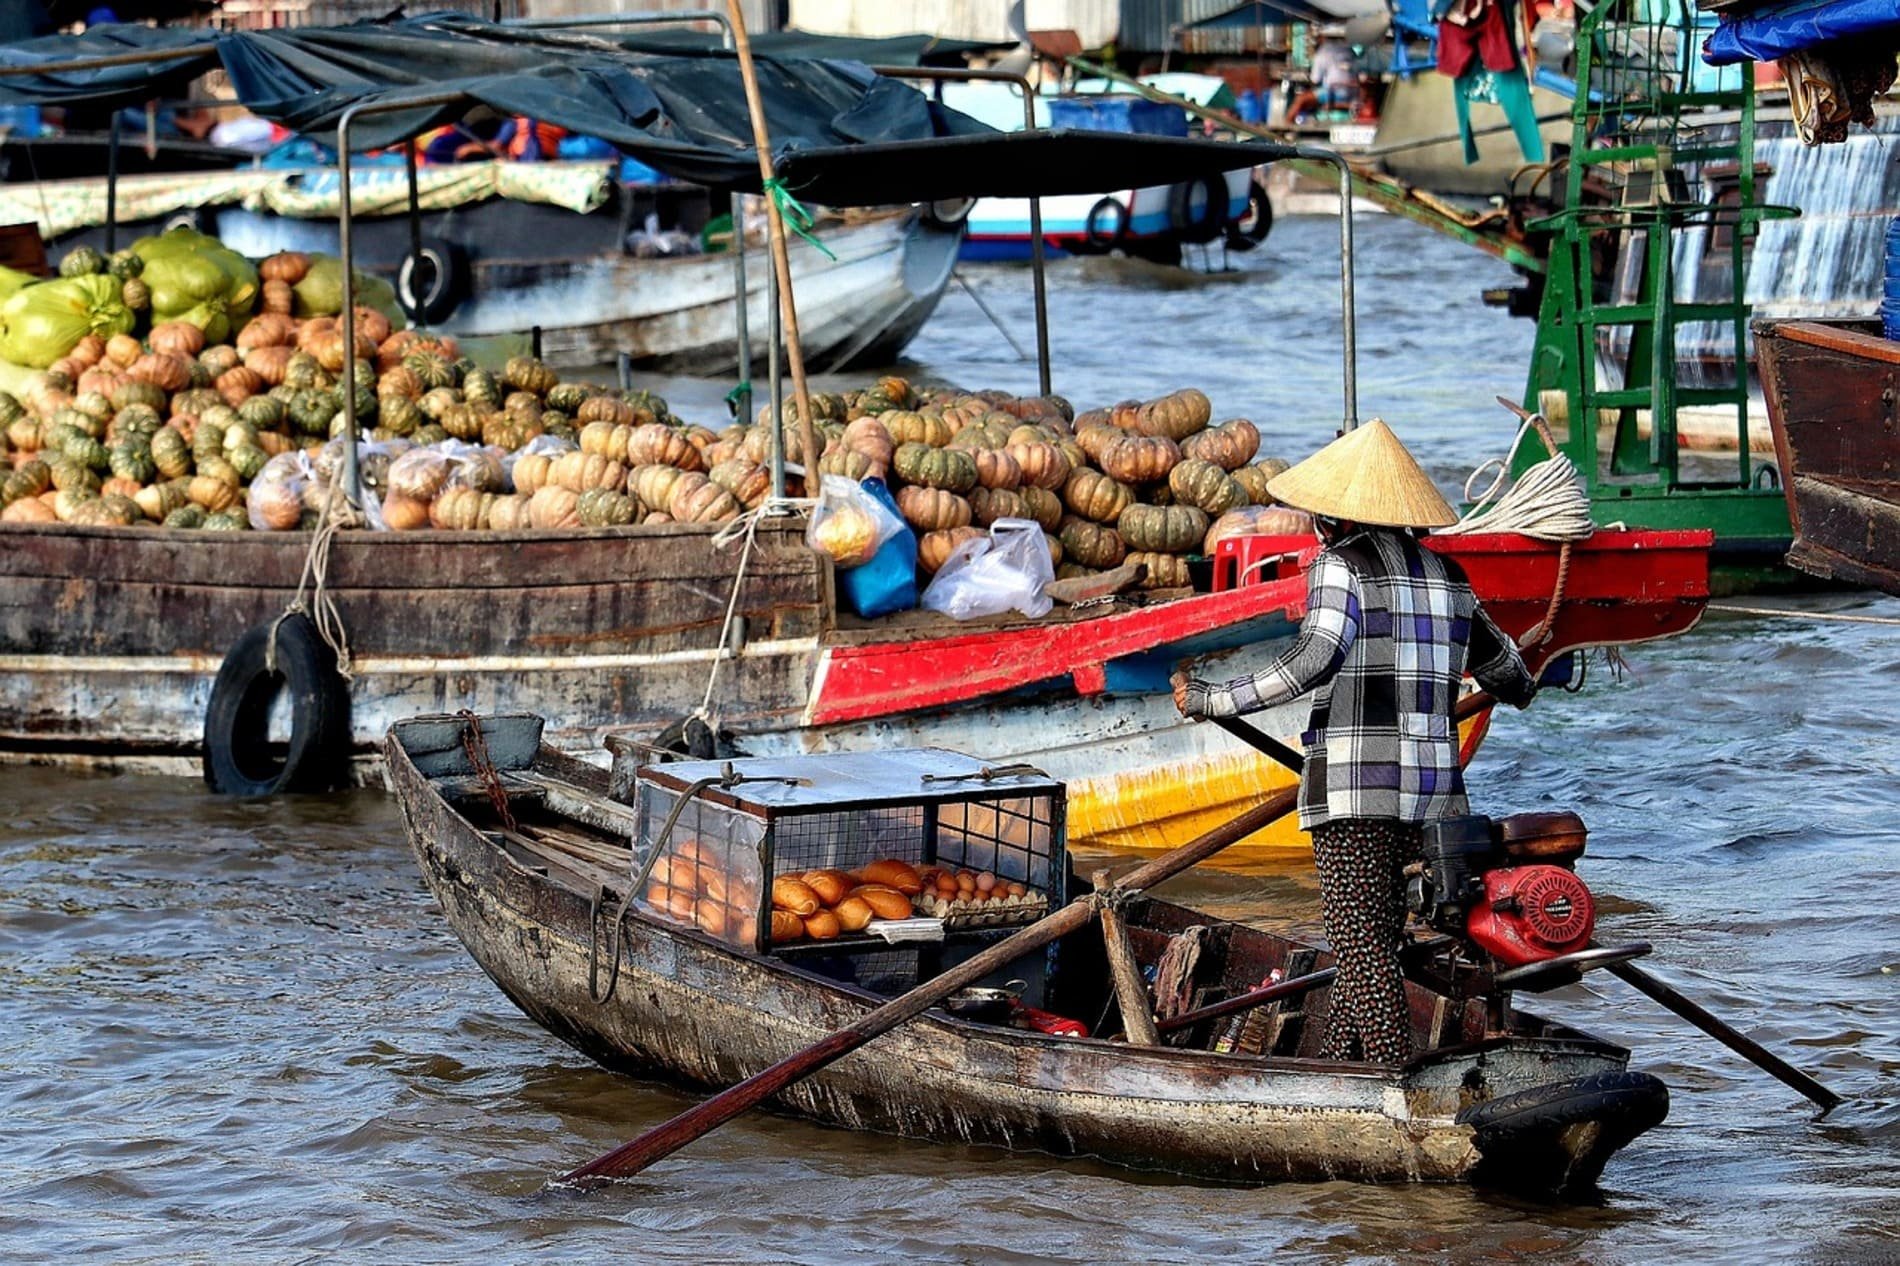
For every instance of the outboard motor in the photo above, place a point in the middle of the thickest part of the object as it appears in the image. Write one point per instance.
(1506, 886)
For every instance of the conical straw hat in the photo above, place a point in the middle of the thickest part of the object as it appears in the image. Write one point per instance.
(1366, 476)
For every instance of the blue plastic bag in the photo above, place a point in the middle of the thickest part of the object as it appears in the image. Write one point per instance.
(889, 581)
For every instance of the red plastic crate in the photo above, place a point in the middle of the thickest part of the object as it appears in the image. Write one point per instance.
(1255, 560)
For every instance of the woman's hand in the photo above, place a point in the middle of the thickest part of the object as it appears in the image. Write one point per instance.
(1180, 683)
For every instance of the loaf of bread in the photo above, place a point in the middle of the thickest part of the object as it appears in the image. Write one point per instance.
(893, 874)
(795, 895)
(822, 926)
(832, 886)
(853, 913)
(885, 902)
(786, 926)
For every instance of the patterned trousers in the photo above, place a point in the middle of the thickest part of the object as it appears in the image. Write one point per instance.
(1363, 893)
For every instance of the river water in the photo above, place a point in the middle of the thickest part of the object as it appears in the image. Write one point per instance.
(242, 1032)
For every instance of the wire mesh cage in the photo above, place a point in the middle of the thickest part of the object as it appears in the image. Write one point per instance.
(770, 852)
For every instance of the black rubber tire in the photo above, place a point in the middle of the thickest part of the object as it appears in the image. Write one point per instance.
(1210, 220)
(949, 212)
(197, 219)
(1247, 233)
(1106, 239)
(432, 282)
(238, 759)
(1520, 1136)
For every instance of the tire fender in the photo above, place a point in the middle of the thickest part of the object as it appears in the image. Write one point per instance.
(432, 281)
(1244, 235)
(238, 760)
(1202, 224)
(1106, 224)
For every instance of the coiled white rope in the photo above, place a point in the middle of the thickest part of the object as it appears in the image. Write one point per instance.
(1546, 503)
(333, 516)
(745, 528)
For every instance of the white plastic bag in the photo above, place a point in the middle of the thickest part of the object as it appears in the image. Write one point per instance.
(1004, 571)
(275, 502)
(849, 524)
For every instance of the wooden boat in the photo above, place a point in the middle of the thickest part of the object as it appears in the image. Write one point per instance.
(1498, 1095)
(110, 640)
(1830, 391)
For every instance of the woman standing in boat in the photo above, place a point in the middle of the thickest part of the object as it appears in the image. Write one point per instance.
(1391, 629)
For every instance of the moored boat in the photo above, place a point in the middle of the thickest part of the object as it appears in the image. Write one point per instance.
(110, 642)
(1497, 1095)
(1830, 391)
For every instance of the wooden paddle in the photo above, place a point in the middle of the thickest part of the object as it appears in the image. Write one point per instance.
(665, 1139)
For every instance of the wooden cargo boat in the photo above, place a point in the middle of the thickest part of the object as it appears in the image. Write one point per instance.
(110, 640)
(1831, 400)
(1497, 1096)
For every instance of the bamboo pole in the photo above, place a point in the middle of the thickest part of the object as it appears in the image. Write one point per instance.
(1131, 994)
(781, 259)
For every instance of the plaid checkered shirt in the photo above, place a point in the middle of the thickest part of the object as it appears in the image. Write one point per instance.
(1391, 629)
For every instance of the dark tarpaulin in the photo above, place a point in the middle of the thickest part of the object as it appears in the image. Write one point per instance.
(890, 50)
(110, 86)
(841, 133)
(1013, 165)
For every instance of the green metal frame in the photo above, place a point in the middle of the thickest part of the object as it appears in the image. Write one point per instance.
(1633, 127)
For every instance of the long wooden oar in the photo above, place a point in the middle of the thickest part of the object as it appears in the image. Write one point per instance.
(665, 1139)
(1279, 991)
(1747, 1047)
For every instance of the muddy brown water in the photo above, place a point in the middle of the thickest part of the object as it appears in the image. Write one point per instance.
(241, 1031)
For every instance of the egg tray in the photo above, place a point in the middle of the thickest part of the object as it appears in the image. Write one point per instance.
(990, 914)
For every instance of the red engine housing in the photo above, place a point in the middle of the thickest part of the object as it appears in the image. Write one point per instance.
(1530, 913)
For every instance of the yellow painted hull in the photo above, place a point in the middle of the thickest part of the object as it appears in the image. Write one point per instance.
(1162, 806)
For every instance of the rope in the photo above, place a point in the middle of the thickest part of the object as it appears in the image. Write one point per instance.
(1546, 503)
(794, 214)
(744, 528)
(321, 607)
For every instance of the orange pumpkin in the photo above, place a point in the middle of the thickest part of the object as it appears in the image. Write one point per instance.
(1140, 459)
(179, 338)
(289, 267)
(934, 548)
(932, 509)
(554, 507)
(996, 469)
(1043, 465)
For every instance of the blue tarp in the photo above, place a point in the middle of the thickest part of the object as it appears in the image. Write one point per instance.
(1773, 32)
(1136, 115)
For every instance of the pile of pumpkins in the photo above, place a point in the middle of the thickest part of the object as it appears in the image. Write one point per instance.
(1152, 482)
(173, 430)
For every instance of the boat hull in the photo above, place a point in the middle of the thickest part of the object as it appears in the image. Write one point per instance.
(110, 642)
(1831, 400)
(691, 1010)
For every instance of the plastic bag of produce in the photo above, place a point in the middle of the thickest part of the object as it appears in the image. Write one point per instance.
(240, 281)
(889, 581)
(42, 322)
(12, 279)
(473, 466)
(849, 524)
(415, 480)
(276, 499)
(1004, 571)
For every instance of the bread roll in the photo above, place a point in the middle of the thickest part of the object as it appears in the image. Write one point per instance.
(822, 926)
(795, 895)
(885, 902)
(832, 886)
(786, 926)
(894, 874)
(748, 931)
(680, 904)
(853, 913)
(711, 917)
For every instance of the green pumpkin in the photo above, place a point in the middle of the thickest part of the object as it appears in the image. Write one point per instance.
(430, 434)
(947, 468)
(82, 261)
(125, 264)
(263, 412)
(433, 370)
(568, 397)
(248, 459)
(137, 419)
(1204, 485)
(525, 373)
(11, 410)
(480, 388)
(29, 480)
(171, 455)
(398, 415)
(69, 475)
(190, 516)
(302, 372)
(232, 520)
(84, 423)
(133, 460)
(1173, 529)
(603, 507)
(462, 421)
(91, 452)
(135, 295)
(437, 400)
(311, 412)
(1091, 544)
(56, 436)
(984, 434)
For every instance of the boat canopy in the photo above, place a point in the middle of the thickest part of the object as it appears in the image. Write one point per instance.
(1773, 31)
(844, 134)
